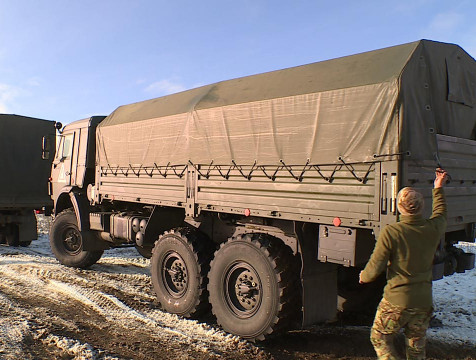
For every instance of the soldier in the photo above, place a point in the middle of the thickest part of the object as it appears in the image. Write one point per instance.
(406, 250)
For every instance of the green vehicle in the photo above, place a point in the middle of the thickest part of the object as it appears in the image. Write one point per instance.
(24, 184)
(261, 198)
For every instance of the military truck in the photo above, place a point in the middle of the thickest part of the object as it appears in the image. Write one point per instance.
(24, 184)
(262, 197)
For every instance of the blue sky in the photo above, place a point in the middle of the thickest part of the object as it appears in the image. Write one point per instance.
(65, 60)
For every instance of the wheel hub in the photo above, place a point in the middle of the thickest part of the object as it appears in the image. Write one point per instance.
(175, 274)
(243, 290)
(72, 241)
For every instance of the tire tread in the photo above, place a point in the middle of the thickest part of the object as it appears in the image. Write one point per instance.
(286, 269)
(202, 248)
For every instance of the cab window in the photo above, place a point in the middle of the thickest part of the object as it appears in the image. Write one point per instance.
(65, 147)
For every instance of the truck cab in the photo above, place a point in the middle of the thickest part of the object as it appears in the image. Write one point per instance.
(73, 165)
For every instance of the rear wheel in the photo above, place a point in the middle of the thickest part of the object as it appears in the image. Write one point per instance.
(179, 266)
(12, 237)
(66, 242)
(25, 243)
(254, 286)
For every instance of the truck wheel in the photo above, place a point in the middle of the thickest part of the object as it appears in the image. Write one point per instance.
(12, 236)
(179, 266)
(25, 243)
(145, 251)
(254, 286)
(66, 242)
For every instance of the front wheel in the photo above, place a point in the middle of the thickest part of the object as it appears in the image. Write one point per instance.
(254, 286)
(66, 242)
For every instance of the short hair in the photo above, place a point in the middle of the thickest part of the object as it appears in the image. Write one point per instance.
(410, 201)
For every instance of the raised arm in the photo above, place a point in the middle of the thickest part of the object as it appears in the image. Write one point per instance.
(438, 215)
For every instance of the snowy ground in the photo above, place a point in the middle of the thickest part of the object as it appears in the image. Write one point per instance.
(36, 293)
(48, 311)
(455, 306)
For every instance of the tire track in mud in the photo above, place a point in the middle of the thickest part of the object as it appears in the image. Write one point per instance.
(121, 299)
(19, 327)
(48, 311)
(132, 284)
(12, 331)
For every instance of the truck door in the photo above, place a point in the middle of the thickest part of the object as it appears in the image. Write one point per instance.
(62, 164)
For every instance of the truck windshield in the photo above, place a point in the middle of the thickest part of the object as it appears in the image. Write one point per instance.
(65, 146)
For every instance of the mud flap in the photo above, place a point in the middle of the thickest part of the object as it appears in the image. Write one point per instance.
(81, 209)
(319, 280)
(162, 219)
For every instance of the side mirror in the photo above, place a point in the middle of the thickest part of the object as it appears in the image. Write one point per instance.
(58, 126)
(46, 145)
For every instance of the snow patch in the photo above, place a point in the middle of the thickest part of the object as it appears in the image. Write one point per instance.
(12, 334)
(454, 299)
(71, 347)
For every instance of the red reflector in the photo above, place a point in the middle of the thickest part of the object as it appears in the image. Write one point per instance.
(38, 211)
(337, 221)
(50, 179)
(247, 212)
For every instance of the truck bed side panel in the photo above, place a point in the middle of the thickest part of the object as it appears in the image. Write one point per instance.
(317, 197)
(458, 157)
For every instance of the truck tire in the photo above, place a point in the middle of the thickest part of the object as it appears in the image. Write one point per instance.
(144, 251)
(12, 237)
(25, 243)
(179, 266)
(254, 286)
(66, 242)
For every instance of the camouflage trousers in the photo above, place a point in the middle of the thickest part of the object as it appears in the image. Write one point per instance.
(389, 320)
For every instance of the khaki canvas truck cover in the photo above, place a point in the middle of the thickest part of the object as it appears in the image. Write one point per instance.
(355, 109)
(24, 180)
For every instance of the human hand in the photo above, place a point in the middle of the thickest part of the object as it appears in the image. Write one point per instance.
(440, 178)
(360, 277)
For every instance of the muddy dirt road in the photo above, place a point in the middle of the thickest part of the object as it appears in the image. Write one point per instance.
(48, 311)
